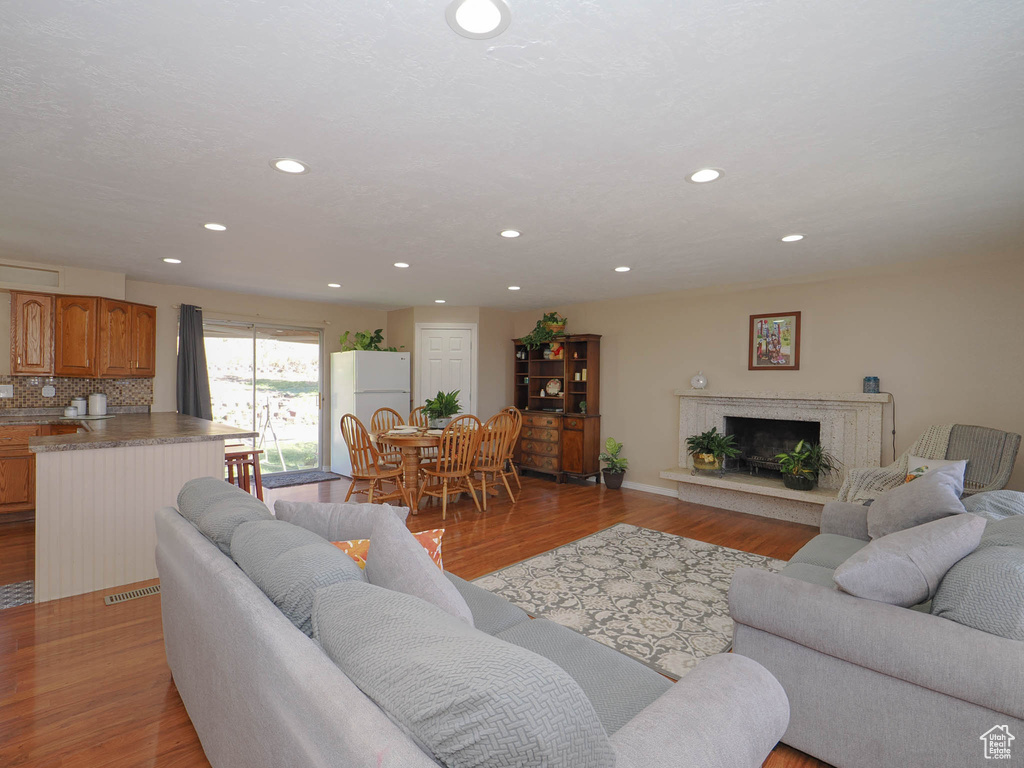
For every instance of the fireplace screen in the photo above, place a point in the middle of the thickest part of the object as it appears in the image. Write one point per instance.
(760, 439)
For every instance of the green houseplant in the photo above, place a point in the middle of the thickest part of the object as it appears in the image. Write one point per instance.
(365, 341)
(709, 448)
(614, 465)
(802, 466)
(441, 408)
(548, 328)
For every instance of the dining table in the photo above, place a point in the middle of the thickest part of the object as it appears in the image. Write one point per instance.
(410, 444)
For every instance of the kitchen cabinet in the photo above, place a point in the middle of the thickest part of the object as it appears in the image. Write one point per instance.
(18, 464)
(143, 340)
(115, 339)
(75, 334)
(31, 334)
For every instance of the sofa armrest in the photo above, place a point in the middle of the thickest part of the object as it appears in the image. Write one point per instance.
(845, 518)
(728, 712)
(918, 648)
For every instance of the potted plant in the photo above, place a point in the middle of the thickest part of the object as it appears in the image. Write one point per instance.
(548, 328)
(583, 406)
(442, 408)
(614, 466)
(365, 342)
(801, 467)
(709, 448)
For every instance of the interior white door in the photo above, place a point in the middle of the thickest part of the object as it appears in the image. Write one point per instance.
(446, 363)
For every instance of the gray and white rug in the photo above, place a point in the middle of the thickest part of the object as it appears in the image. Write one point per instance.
(12, 595)
(659, 598)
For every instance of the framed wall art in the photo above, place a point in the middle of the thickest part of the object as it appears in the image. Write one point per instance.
(774, 342)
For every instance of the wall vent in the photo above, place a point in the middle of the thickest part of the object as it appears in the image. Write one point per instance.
(21, 275)
(121, 597)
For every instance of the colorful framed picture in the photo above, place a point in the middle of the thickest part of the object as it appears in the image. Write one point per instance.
(774, 342)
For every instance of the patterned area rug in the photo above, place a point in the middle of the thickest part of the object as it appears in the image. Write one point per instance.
(20, 593)
(288, 479)
(659, 598)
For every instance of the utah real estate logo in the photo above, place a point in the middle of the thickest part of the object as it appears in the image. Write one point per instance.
(997, 742)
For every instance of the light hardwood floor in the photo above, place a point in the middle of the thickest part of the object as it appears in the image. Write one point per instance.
(84, 684)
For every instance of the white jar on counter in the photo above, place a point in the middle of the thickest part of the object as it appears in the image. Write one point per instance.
(98, 404)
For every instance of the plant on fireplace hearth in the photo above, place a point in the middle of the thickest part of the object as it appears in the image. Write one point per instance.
(709, 448)
(802, 466)
(614, 465)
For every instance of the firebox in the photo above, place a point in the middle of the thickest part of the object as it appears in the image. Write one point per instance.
(760, 439)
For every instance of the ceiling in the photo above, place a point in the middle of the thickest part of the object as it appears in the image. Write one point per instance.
(887, 131)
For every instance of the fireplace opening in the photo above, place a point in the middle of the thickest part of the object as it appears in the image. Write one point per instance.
(759, 440)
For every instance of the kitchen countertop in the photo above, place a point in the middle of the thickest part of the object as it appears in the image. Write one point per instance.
(128, 430)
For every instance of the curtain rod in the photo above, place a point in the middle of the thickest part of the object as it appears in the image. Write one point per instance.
(260, 318)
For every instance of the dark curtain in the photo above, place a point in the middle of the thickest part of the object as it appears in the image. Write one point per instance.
(193, 381)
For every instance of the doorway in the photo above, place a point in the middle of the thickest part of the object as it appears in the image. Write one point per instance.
(267, 378)
(445, 360)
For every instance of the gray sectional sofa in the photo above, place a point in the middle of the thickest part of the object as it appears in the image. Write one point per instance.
(872, 684)
(489, 688)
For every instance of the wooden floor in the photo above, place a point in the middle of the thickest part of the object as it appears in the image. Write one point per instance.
(84, 684)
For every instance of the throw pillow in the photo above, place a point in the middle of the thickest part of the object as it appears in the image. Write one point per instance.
(395, 560)
(985, 591)
(996, 505)
(217, 508)
(429, 540)
(905, 568)
(917, 466)
(336, 522)
(289, 564)
(465, 696)
(933, 495)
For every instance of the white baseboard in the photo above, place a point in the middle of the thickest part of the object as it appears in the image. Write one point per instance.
(659, 490)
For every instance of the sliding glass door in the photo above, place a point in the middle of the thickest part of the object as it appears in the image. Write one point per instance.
(267, 378)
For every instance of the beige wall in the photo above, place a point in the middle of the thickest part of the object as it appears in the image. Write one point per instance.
(333, 319)
(943, 337)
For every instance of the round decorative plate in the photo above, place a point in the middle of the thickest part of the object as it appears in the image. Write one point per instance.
(553, 387)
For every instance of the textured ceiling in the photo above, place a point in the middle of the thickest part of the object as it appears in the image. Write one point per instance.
(885, 130)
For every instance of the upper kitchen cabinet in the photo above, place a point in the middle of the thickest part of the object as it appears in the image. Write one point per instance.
(75, 332)
(143, 340)
(115, 339)
(31, 334)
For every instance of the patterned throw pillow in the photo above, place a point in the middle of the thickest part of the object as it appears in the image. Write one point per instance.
(917, 466)
(429, 540)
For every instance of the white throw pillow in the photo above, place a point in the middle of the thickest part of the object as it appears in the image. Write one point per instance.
(918, 466)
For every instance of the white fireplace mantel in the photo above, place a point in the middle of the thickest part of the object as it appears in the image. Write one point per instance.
(834, 397)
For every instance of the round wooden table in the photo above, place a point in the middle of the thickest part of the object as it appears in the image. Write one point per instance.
(409, 444)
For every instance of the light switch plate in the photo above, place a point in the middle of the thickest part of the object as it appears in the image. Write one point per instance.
(48, 391)
(6, 390)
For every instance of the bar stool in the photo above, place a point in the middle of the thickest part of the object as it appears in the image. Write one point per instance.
(245, 462)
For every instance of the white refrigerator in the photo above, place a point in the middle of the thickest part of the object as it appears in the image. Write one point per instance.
(362, 382)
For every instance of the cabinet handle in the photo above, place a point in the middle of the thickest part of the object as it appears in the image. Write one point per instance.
(19, 359)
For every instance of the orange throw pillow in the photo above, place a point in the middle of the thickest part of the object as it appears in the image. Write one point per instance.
(429, 540)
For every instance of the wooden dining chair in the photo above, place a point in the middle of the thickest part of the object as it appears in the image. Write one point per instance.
(419, 418)
(368, 467)
(382, 420)
(449, 474)
(517, 419)
(492, 456)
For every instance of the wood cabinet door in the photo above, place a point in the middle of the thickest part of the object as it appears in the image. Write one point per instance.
(143, 340)
(115, 338)
(31, 333)
(75, 332)
(17, 483)
(572, 451)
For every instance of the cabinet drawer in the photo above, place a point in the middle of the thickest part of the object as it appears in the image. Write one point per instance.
(17, 435)
(574, 423)
(544, 449)
(545, 463)
(540, 433)
(538, 420)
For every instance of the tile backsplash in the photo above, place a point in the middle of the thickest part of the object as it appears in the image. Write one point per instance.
(28, 391)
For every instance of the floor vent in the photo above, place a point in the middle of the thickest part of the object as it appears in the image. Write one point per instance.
(121, 597)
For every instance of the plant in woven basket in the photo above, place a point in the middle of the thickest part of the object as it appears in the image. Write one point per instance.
(548, 328)
(709, 448)
(802, 466)
(440, 409)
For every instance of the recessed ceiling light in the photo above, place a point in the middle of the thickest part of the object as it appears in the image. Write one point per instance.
(513, 287)
(334, 285)
(622, 269)
(478, 19)
(439, 301)
(289, 165)
(705, 175)
(510, 233)
(214, 227)
(401, 265)
(792, 238)
(169, 260)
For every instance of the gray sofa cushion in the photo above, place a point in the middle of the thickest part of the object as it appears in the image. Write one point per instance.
(217, 508)
(491, 614)
(396, 561)
(336, 522)
(618, 686)
(289, 564)
(930, 497)
(812, 574)
(1008, 532)
(469, 698)
(828, 550)
(996, 505)
(904, 568)
(985, 590)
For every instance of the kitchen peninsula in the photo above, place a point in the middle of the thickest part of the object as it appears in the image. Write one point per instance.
(97, 491)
